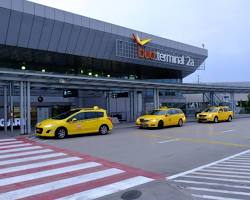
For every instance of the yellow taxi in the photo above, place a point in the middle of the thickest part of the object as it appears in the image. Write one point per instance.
(76, 121)
(215, 114)
(162, 117)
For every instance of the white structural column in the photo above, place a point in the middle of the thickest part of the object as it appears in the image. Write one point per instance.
(28, 109)
(21, 108)
(139, 103)
(211, 99)
(107, 97)
(135, 104)
(131, 106)
(5, 91)
(11, 111)
(232, 101)
(25, 107)
(156, 98)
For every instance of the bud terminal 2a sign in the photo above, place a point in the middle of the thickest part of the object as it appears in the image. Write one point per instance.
(151, 54)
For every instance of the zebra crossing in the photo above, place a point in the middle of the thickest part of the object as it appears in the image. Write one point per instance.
(226, 179)
(31, 170)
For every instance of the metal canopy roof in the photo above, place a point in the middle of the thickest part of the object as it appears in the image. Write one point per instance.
(51, 80)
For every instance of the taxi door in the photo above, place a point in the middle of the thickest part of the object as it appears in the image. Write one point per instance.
(92, 121)
(221, 114)
(169, 118)
(176, 117)
(75, 124)
(227, 113)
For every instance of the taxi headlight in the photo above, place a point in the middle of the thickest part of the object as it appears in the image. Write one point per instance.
(153, 120)
(48, 126)
(210, 115)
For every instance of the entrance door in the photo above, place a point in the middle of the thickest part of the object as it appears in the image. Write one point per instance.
(43, 113)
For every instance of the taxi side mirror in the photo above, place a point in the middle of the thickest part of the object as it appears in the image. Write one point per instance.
(74, 120)
(166, 115)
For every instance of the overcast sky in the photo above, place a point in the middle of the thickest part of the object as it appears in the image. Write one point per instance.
(222, 25)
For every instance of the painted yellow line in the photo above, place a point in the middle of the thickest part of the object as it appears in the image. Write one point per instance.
(194, 140)
(212, 142)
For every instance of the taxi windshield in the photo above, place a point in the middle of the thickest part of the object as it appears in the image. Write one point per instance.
(66, 114)
(158, 112)
(212, 109)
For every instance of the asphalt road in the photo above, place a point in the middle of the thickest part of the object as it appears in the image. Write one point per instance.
(171, 151)
(167, 151)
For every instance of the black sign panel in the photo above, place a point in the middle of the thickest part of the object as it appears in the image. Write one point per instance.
(70, 93)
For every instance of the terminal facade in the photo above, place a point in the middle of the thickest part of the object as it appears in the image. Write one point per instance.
(41, 47)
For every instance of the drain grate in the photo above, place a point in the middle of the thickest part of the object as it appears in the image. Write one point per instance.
(130, 195)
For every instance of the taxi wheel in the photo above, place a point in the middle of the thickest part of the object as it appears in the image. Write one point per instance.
(103, 130)
(160, 124)
(216, 120)
(230, 118)
(180, 122)
(61, 133)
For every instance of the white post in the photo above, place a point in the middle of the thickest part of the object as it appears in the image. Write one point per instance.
(5, 108)
(21, 108)
(28, 109)
(156, 98)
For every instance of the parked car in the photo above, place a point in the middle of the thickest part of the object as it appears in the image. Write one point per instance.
(215, 114)
(162, 117)
(76, 121)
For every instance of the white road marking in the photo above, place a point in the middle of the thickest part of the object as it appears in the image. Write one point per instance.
(166, 141)
(219, 191)
(51, 172)
(226, 131)
(108, 189)
(207, 165)
(33, 158)
(47, 187)
(25, 153)
(15, 145)
(36, 165)
(218, 179)
(19, 149)
(241, 159)
(13, 142)
(234, 165)
(230, 168)
(212, 184)
(221, 175)
(4, 140)
(244, 156)
(237, 162)
(214, 197)
(20, 153)
(225, 172)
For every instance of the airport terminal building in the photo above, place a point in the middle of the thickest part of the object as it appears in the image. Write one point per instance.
(52, 60)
